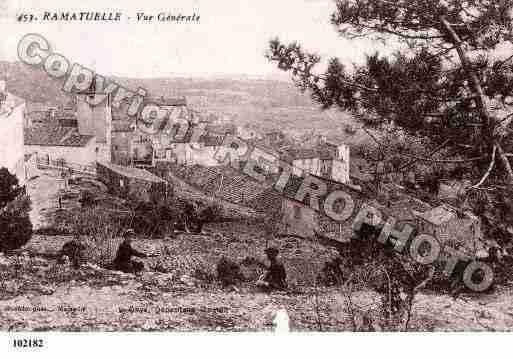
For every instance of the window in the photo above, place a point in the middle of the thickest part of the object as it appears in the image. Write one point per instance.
(121, 183)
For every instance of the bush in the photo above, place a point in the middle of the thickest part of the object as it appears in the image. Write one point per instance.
(228, 272)
(15, 230)
(9, 188)
(154, 219)
(101, 230)
(15, 225)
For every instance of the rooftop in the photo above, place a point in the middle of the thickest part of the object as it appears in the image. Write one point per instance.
(176, 101)
(133, 172)
(122, 126)
(438, 215)
(37, 116)
(11, 101)
(55, 135)
(322, 152)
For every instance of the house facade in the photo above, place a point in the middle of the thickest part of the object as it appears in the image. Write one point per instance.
(12, 152)
(460, 230)
(300, 219)
(132, 145)
(50, 142)
(190, 154)
(327, 161)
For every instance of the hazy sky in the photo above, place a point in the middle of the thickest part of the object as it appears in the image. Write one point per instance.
(230, 38)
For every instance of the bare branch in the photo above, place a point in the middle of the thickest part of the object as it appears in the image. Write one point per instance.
(473, 159)
(487, 173)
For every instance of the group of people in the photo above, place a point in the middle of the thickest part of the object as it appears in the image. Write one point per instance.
(273, 279)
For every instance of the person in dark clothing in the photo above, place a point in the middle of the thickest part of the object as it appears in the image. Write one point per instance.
(123, 261)
(74, 250)
(275, 276)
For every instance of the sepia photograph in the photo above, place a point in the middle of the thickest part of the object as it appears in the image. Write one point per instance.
(260, 167)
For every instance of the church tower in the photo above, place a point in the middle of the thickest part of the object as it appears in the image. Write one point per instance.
(95, 120)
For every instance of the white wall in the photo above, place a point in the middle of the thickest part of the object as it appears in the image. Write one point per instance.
(96, 121)
(193, 154)
(11, 142)
(80, 155)
(309, 165)
(339, 166)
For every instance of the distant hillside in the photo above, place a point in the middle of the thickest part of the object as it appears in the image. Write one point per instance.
(35, 86)
(263, 104)
(31, 84)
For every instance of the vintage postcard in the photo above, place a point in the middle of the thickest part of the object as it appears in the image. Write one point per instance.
(256, 166)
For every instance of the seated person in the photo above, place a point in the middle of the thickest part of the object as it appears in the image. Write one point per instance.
(123, 261)
(275, 276)
(74, 250)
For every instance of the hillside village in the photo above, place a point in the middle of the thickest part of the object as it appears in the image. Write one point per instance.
(76, 157)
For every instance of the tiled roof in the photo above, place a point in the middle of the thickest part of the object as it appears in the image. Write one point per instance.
(121, 126)
(54, 135)
(37, 116)
(261, 145)
(221, 128)
(133, 172)
(223, 182)
(162, 101)
(208, 139)
(267, 201)
(308, 153)
(37, 107)
(65, 114)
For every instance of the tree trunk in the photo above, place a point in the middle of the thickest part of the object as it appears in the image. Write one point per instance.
(489, 122)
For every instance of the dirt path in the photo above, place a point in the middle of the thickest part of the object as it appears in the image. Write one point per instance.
(43, 192)
(117, 301)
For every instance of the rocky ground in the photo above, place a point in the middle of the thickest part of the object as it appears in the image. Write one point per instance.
(178, 290)
(38, 293)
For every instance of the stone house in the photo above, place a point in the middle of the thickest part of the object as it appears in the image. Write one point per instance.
(328, 161)
(131, 182)
(52, 142)
(299, 219)
(78, 135)
(460, 230)
(121, 142)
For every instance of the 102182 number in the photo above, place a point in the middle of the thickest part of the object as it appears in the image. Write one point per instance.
(28, 343)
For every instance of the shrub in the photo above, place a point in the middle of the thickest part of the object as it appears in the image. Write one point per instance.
(228, 272)
(86, 198)
(15, 225)
(153, 219)
(9, 187)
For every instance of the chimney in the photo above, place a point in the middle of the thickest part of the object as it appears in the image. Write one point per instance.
(52, 113)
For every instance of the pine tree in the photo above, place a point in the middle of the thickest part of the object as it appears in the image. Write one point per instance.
(15, 225)
(446, 84)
